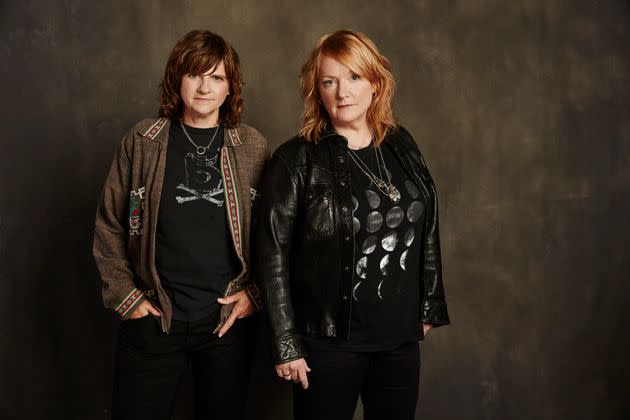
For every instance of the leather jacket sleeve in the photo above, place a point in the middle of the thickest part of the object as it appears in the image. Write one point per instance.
(273, 232)
(252, 286)
(434, 310)
(434, 304)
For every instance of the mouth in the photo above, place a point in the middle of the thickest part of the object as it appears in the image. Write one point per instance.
(344, 106)
(204, 99)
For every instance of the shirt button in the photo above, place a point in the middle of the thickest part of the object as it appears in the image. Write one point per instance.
(341, 159)
(345, 297)
(344, 209)
(342, 183)
(347, 238)
(347, 268)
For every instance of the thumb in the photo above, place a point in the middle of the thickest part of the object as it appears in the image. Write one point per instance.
(226, 300)
(154, 311)
(308, 369)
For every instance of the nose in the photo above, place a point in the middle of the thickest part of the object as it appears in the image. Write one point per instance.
(204, 85)
(343, 89)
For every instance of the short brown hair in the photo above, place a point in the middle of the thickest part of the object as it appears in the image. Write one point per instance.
(357, 52)
(196, 53)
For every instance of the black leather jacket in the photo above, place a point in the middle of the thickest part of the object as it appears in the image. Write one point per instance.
(304, 244)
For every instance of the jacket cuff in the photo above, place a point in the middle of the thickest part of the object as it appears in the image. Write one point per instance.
(254, 295)
(129, 303)
(286, 349)
(435, 312)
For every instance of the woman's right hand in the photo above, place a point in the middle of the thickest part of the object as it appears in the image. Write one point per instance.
(145, 308)
(295, 371)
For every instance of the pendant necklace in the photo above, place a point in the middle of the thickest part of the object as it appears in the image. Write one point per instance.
(201, 150)
(384, 186)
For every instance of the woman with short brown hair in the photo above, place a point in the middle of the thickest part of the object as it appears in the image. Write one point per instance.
(171, 240)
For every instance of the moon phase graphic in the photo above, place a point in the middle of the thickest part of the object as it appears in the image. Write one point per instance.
(414, 211)
(373, 199)
(412, 189)
(396, 238)
(369, 245)
(409, 236)
(390, 240)
(362, 267)
(374, 222)
(394, 216)
(354, 292)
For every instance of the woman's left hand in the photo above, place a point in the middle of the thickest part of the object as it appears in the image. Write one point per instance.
(426, 327)
(243, 308)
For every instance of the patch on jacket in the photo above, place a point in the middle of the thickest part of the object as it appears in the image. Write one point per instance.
(253, 194)
(136, 205)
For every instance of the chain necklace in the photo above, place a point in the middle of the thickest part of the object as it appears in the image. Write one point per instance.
(201, 150)
(385, 187)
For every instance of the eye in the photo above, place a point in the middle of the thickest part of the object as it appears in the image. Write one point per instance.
(328, 83)
(218, 78)
(193, 76)
(355, 77)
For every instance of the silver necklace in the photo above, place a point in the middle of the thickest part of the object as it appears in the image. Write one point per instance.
(201, 150)
(385, 187)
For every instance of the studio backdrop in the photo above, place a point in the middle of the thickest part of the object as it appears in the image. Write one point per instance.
(521, 108)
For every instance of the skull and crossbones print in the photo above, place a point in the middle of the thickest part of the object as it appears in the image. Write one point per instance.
(201, 174)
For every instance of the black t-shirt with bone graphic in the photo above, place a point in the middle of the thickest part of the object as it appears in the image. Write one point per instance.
(194, 253)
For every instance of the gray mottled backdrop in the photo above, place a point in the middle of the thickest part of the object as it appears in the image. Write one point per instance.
(522, 109)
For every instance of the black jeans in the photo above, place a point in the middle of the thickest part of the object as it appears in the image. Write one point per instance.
(150, 363)
(388, 383)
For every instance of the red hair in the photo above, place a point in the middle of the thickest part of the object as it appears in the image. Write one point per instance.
(357, 52)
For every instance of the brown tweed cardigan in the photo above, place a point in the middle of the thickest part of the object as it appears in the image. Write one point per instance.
(126, 217)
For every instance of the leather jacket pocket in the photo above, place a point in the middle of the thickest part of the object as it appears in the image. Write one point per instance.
(319, 222)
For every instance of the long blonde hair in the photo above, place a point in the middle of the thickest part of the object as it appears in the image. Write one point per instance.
(357, 52)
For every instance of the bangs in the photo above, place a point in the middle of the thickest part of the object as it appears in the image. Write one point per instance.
(197, 53)
(352, 54)
(360, 55)
(199, 62)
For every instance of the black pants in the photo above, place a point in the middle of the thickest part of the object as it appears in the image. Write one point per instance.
(150, 363)
(388, 383)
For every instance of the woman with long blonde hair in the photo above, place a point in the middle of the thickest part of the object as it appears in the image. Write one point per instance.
(348, 251)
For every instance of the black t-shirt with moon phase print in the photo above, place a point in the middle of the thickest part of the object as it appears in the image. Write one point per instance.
(194, 253)
(387, 246)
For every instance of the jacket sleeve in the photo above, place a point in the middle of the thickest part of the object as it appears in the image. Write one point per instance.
(274, 229)
(253, 287)
(111, 233)
(434, 309)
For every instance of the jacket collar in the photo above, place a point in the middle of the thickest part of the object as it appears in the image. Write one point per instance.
(156, 131)
(232, 138)
(159, 130)
(329, 133)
